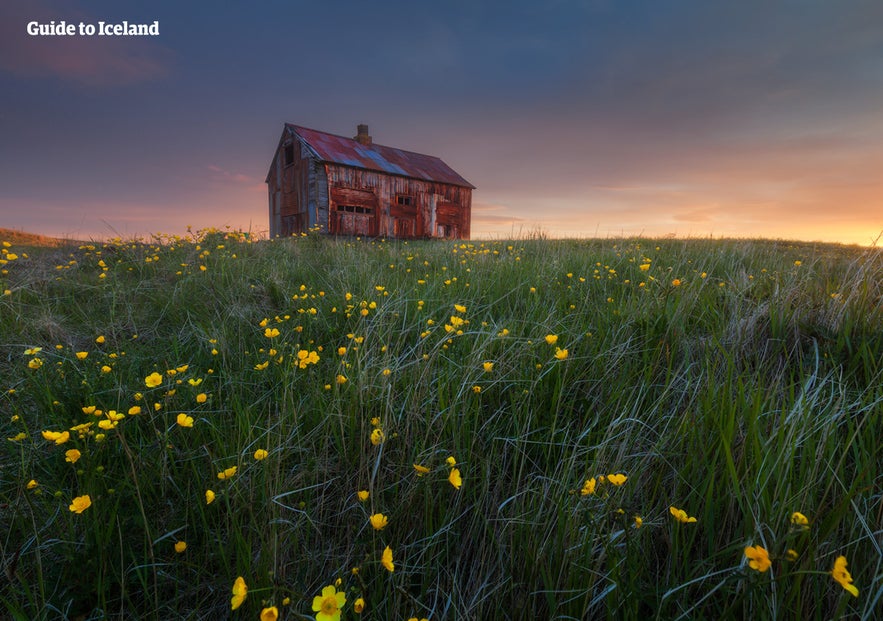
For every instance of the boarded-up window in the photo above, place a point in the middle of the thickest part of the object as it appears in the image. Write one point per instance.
(288, 152)
(353, 212)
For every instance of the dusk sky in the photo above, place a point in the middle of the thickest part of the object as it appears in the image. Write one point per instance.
(577, 118)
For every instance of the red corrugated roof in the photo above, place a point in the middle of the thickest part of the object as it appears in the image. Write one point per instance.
(349, 152)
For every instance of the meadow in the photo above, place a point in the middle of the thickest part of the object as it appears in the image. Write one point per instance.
(209, 427)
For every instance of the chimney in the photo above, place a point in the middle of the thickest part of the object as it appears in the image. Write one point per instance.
(362, 137)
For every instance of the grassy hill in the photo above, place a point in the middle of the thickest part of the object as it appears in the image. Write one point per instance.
(526, 429)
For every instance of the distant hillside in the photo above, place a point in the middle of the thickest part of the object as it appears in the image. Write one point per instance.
(31, 239)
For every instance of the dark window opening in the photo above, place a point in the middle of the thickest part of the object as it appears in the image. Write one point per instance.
(355, 209)
(289, 154)
(404, 200)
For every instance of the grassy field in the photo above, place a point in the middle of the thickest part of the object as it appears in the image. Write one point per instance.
(529, 429)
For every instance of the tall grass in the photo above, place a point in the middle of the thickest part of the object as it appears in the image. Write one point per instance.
(739, 381)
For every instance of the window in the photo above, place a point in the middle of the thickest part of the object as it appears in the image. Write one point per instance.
(401, 199)
(289, 154)
(355, 209)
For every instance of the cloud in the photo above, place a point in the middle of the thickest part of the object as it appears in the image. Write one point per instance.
(92, 61)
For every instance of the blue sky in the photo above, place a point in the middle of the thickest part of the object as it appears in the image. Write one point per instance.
(574, 117)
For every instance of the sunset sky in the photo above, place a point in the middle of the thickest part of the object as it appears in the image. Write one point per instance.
(577, 118)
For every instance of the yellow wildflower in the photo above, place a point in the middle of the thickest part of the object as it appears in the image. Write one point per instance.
(270, 614)
(201, 397)
(82, 355)
(80, 503)
(240, 592)
(378, 521)
(841, 575)
(209, 496)
(260, 454)
(488, 367)
(32, 484)
(377, 436)
(617, 479)
(153, 380)
(359, 606)
(228, 473)
(680, 515)
(72, 456)
(271, 333)
(589, 487)
(551, 339)
(455, 479)
(184, 420)
(451, 461)
(758, 558)
(362, 495)
(386, 559)
(59, 437)
(798, 519)
(180, 546)
(328, 604)
(561, 354)
(421, 470)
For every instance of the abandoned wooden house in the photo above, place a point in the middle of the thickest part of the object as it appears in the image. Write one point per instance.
(351, 186)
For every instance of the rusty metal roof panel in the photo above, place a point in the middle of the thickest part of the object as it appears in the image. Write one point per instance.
(349, 152)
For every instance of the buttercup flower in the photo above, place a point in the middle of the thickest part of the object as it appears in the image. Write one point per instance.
(551, 339)
(209, 496)
(240, 592)
(377, 436)
(362, 495)
(180, 546)
(153, 380)
(378, 521)
(359, 606)
(59, 437)
(72, 456)
(82, 355)
(328, 604)
(617, 479)
(639, 521)
(420, 470)
(680, 515)
(271, 333)
(589, 487)
(270, 614)
(758, 558)
(798, 519)
(201, 397)
(80, 504)
(32, 484)
(228, 473)
(386, 559)
(451, 461)
(841, 575)
(454, 478)
(260, 454)
(561, 354)
(488, 367)
(184, 420)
